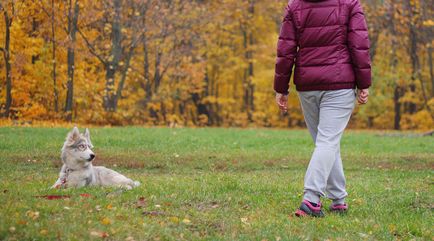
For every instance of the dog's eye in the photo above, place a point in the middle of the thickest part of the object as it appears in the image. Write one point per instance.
(82, 147)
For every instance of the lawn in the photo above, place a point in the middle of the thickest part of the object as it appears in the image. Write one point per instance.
(214, 184)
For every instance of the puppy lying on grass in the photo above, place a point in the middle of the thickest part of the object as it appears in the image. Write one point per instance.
(77, 169)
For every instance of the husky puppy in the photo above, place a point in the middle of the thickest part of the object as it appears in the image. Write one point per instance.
(77, 169)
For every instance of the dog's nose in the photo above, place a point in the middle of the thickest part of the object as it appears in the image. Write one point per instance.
(92, 156)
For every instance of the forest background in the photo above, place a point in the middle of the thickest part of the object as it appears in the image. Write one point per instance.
(192, 63)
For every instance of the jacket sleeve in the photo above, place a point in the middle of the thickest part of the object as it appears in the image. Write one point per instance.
(358, 43)
(286, 52)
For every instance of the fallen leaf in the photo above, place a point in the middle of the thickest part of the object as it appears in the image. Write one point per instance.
(12, 229)
(98, 208)
(129, 238)
(174, 219)
(215, 206)
(244, 220)
(22, 222)
(186, 221)
(85, 195)
(141, 203)
(99, 234)
(109, 207)
(32, 215)
(392, 228)
(153, 213)
(53, 197)
(106, 221)
(43, 232)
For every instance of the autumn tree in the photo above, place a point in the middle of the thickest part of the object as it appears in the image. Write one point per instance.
(193, 63)
(8, 10)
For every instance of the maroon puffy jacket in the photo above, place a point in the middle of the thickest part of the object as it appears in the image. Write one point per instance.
(328, 41)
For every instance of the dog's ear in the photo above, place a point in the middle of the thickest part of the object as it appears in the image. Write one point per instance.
(73, 135)
(87, 136)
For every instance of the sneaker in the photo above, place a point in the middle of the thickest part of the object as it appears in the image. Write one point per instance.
(307, 209)
(339, 208)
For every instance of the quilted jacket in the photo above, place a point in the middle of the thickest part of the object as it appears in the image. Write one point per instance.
(327, 40)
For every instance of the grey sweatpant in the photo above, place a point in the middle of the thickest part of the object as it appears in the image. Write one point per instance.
(326, 114)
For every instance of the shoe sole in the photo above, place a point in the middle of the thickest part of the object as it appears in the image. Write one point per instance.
(338, 211)
(300, 213)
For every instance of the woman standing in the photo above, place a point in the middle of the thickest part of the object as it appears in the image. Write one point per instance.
(327, 40)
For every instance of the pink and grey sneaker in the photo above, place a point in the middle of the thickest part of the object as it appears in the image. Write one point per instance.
(308, 209)
(339, 208)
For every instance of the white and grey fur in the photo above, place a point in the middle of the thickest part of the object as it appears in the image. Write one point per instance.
(78, 171)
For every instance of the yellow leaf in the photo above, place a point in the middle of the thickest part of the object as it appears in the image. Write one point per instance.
(186, 221)
(32, 215)
(244, 220)
(174, 219)
(106, 221)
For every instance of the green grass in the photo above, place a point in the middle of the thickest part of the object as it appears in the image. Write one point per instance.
(214, 184)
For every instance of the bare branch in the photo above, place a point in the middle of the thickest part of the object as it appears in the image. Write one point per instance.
(91, 48)
(49, 15)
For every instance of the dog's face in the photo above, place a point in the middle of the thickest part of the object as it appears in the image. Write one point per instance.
(77, 149)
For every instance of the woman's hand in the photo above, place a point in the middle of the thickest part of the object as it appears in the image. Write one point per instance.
(362, 96)
(282, 102)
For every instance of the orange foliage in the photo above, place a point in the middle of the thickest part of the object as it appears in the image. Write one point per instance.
(195, 63)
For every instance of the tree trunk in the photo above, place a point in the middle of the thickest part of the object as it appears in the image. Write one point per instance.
(431, 71)
(397, 104)
(33, 34)
(72, 30)
(148, 84)
(413, 55)
(157, 73)
(248, 75)
(53, 41)
(6, 55)
(374, 43)
(202, 109)
(415, 63)
(394, 62)
(123, 78)
(111, 66)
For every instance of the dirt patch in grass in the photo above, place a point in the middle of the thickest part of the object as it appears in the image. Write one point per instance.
(417, 166)
(207, 228)
(118, 161)
(420, 203)
(20, 158)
